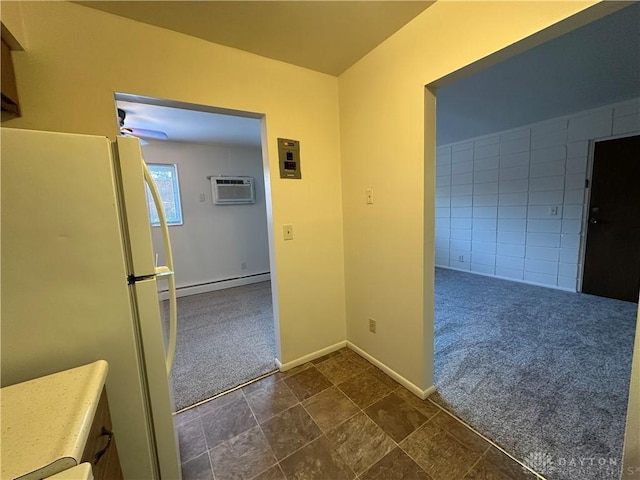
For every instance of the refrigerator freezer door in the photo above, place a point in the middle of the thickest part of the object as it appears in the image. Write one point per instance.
(136, 210)
(145, 295)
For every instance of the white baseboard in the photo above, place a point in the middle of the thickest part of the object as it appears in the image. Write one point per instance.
(392, 373)
(413, 388)
(428, 392)
(312, 356)
(214, 286)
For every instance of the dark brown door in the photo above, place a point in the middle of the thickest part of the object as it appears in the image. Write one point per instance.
(612, 257)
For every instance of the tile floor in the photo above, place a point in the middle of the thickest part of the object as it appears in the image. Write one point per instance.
(337, 417)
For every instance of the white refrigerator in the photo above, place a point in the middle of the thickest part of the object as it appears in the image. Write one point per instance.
(79, 282)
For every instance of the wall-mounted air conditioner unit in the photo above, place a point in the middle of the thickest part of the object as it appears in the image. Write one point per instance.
(232, 190)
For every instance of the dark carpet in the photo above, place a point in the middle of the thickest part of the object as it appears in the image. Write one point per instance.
(543, 373)
(225, 338)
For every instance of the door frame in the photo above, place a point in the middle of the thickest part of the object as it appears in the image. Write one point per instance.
(587, 200)
(268, 192)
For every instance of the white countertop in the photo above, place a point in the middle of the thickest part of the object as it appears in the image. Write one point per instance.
(46, 421)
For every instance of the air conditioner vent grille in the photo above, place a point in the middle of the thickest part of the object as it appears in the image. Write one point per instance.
(232, 190)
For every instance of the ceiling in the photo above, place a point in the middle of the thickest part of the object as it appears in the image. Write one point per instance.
(326, 36)
(595, 65)
(186, 125)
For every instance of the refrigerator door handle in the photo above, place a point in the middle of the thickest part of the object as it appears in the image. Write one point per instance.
(166, 270)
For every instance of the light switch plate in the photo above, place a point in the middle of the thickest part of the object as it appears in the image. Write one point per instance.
(369, 192)
(287, 232)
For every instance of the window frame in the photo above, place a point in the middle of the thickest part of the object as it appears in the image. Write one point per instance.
(177, 195)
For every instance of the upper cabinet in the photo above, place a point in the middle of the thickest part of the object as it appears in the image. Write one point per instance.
(13, 38)
(10, 102)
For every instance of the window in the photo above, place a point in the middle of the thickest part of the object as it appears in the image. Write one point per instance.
(166, 178)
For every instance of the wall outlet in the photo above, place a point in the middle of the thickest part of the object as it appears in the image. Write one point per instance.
(202, 197)
(372, 325)
(243, 266)
(461, 258)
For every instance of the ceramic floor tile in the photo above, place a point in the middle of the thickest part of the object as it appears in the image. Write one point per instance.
(483, 470)
(325, 357)
(185, 417)
(364, 389)
(433, 445)
(197, 469)
(273, 473)
(329, 408)
(507, 465)
(395, 416)
(270, 400)
(227, 421)
(307, 383)
(218, 402)
(462, 433)
(244, 456)
(357, 359)
(290, 430)
(360, 442)
(425, 407)
(438, 453)
(395, 465)
(296, 370)
(191, 439)
(338, 369)
(383, 377)
(257, 385)
(316, 461)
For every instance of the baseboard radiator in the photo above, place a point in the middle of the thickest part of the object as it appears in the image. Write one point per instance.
(186, 290)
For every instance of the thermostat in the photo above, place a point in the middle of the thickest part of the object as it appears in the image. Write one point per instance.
(289, 157)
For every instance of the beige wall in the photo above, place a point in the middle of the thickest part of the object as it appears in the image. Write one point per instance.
(78, 57)
(387, 130)
(213, 241)
(12, 25)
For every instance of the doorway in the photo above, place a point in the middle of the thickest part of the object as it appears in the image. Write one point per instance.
(509, 203)
(221, 250)
(612, 256)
